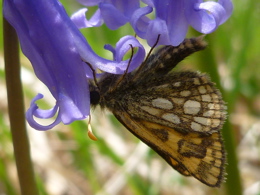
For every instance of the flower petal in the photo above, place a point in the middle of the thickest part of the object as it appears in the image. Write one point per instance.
(155, 28)
(170, 23)
(205, 17)
(69, 110)
(139, 22)
(115, 13)
(47, 40)
(79, 19)
(228, 6)
(122, 47)
(35, 111)
(112, 17)
(173, 18)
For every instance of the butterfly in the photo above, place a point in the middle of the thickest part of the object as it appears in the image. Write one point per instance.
(178, 114)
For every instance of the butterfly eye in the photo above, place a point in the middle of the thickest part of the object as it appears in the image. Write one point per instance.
(94, 97)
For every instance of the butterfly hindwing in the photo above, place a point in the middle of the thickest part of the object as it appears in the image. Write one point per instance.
(186, 101)
(191, 154)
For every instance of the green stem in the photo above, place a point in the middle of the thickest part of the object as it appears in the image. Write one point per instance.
(16, 112)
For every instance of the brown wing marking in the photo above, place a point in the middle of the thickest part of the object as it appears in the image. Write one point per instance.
(201, 156)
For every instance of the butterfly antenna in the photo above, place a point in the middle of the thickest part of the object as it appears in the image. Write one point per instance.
(126, 71)
(94, 74)
(148, 55)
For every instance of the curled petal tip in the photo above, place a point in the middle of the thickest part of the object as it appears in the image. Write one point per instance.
(34, 111)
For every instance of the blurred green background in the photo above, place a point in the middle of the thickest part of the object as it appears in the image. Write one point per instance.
(67, 162)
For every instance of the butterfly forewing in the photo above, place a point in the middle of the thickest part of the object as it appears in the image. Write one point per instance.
(179, 115)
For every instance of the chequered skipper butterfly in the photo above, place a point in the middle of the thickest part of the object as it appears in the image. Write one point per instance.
(178, 114)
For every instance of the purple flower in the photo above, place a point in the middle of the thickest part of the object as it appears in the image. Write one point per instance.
(114, 13)
(58, 52)
(173, 18)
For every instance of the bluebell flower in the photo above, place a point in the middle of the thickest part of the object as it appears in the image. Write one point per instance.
(58, 52)
(114, 13)
(172, 17)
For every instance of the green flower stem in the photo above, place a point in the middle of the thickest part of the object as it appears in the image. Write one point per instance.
(16, 112)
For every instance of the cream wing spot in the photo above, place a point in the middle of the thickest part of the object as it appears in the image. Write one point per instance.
(196, 126)
(218, 144)
(175, 50)
(218, 114)
(185, 93)
(218, 163)
(218, 154)
(207, 128)
(204, 79)
(191, 107)
(197, 98)
(162, 103)
(196, 81)
(161, 65)
(202, 89)
(203, 120)
(188, 44)
(216, 106)
(177, 84)
(211, 106)
(209, 113)
(150, 110)
(206, 98)
(209, 89)
(182, 46)
(215, 97)
(174, 94)
(172, 118)
(179, 101)
(168, 56)
(164, 86)
(215, 122)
